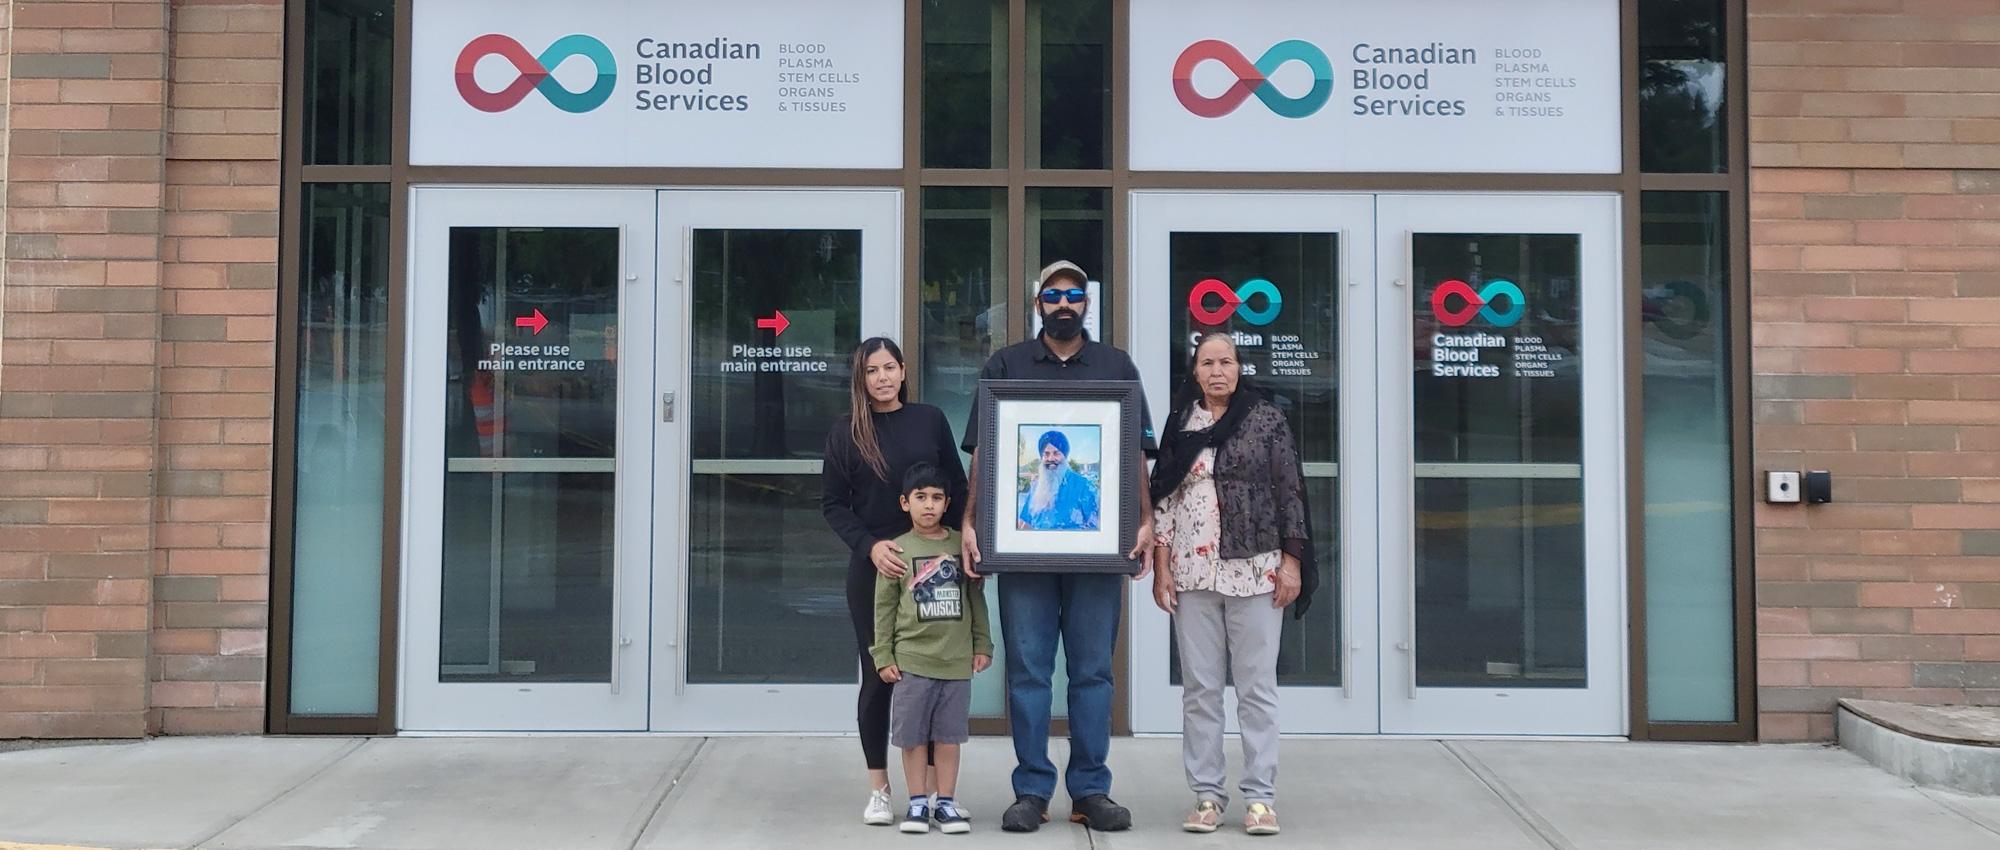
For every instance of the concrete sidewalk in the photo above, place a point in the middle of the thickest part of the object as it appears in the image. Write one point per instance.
(657, 793)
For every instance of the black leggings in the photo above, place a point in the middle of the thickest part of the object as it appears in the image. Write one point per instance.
(871, 710)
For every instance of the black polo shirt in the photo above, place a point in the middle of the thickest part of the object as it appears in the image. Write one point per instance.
(1033, 361)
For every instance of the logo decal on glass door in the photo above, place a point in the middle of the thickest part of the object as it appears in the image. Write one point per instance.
(1253, 79)
(1235, 302)
(537, 73)
(1477, 303)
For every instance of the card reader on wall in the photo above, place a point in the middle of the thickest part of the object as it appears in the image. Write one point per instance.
(1819, 486)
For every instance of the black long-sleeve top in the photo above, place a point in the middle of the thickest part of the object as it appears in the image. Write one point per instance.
(861, 506)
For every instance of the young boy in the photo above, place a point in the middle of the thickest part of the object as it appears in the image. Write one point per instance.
(930, 638)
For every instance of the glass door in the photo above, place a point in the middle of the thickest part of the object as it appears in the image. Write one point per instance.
(528, 498)
(767, 293)
(1288, 276)
(1502, 524)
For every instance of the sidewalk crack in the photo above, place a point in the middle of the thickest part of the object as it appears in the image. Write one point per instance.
(663, 792)
(1944, 801)
(339, 756)
(1529, 819)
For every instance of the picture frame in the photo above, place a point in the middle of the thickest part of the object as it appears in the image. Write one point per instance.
(1059, 469)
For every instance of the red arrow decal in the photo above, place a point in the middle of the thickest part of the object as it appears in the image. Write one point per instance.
(536, 321)
(777, 322)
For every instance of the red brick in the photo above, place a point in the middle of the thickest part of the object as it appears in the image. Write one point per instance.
(1880, 674)
(97, 618)
(1954, 621)
(1809, 648)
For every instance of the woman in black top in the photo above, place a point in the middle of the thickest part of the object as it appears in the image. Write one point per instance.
(866, 456)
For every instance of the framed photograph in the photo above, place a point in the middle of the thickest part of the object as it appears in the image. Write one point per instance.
(1059, 469)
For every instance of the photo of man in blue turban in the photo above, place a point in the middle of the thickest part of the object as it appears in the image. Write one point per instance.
(1057, 498)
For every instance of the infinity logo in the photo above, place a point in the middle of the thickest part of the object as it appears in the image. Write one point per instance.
(1478, 303)
(1235, 301)
(537, 73)
(1253, 79)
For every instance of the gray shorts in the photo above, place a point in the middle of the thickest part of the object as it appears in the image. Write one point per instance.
(929, 711)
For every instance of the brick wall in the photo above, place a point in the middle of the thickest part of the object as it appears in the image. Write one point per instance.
(219, 367)
(137, 356)
(1875, 230)
(218, 356)
(87, 100)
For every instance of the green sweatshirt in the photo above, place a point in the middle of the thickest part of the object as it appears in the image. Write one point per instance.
(933, 620)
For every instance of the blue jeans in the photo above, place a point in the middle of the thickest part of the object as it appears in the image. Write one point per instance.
(1082, 609)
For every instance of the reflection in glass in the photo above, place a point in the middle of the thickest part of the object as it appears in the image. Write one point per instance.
(527, 577)
(1498, 448)
(1690, 554)
(1500, 583)
(1069, 84)
(965, 84)
(766, 602)
(765, 581)
(1683, 124)
(349, 45)
(513, 403)
(1290, 350)
(1500, 390)
(1070, 224)
(965, 299)
(343, 337)
(531, 400)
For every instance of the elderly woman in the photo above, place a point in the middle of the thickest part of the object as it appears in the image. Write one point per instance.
(1230, 518)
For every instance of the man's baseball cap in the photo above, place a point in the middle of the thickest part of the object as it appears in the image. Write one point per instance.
(1057, 269)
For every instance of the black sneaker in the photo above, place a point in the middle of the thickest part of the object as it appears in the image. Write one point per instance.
(1027, 814)
(918, 820)
(1099, 813)
(950, 820)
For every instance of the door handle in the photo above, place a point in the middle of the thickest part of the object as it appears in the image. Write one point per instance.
(1409, 668)
(666, 407)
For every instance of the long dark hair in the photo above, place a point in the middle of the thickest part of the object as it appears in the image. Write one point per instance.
(861, 426)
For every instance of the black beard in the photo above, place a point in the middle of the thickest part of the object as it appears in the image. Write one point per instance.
(1063, 324)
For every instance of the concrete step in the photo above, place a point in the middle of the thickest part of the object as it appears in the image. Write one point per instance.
(1954, 747)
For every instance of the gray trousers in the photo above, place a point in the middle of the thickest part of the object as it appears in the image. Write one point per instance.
(1237, 635)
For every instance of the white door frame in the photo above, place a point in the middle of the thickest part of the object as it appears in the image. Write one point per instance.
(1377, 565)
(1351, 708)
(1600, 708)
(424, 703)
(677, 705)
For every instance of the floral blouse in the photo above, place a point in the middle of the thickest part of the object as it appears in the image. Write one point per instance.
(1189, 520)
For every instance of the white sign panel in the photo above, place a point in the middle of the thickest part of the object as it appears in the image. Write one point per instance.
(688, 83)
(1366, 85)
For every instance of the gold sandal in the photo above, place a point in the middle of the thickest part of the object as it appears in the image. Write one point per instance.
(1205, 817)
(1261, 819)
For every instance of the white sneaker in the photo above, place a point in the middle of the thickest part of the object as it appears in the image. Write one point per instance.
(878, 813)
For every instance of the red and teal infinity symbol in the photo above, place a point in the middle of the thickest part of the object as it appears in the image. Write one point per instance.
(1235, 302)
(536, 73)
(1253, 79)
(1479, 303)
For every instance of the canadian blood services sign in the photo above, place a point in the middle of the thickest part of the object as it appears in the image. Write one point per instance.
(661, 83)
(1523, 86)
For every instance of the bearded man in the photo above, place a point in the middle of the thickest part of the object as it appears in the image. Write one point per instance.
(1080, 609)
(1061, 498)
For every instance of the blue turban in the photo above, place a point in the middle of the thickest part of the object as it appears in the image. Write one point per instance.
(1054, 438)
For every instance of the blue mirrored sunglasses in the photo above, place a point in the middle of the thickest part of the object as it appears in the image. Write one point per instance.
(1058, 296)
